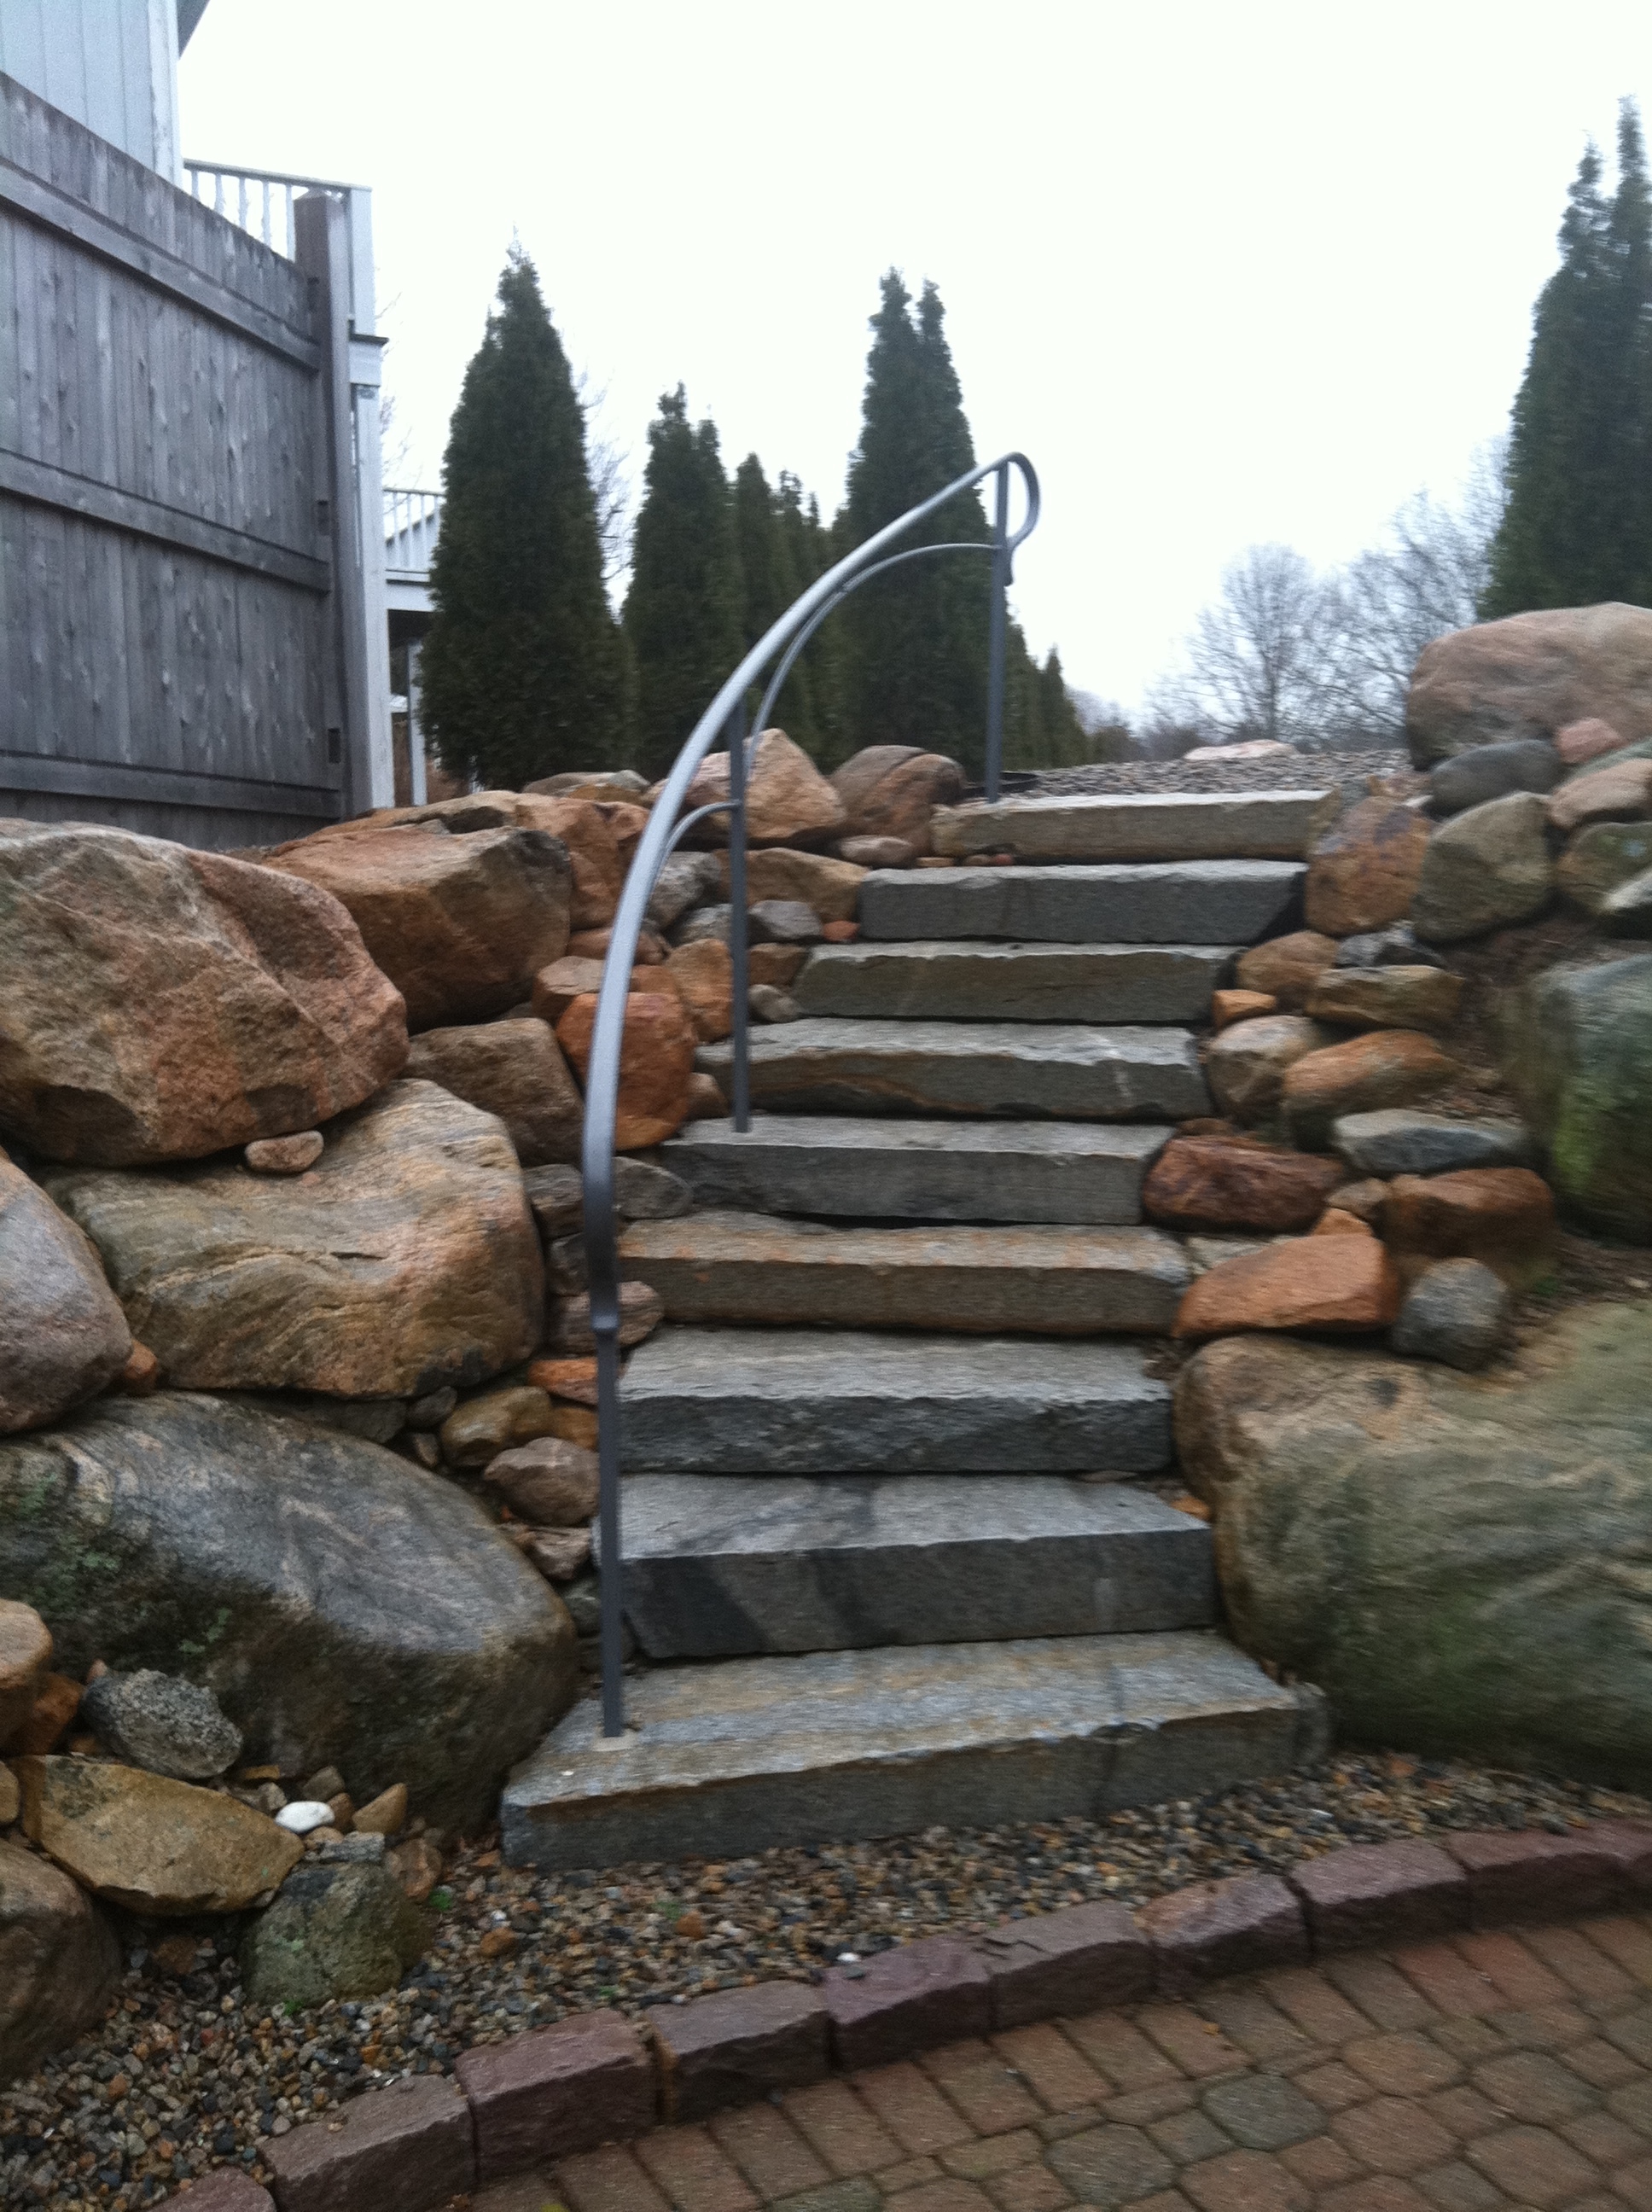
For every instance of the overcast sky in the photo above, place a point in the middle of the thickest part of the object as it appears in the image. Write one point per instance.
(1227, 272)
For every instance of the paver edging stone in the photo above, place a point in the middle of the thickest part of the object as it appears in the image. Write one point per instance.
(553, 2091)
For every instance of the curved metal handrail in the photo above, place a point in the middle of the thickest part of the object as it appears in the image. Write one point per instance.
(787, 636)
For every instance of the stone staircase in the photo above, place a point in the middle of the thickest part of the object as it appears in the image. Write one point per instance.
(919, 1301)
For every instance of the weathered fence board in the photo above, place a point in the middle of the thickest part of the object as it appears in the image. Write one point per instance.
(171, 653)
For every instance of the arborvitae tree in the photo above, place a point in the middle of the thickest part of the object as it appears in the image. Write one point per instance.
(915, 641)
(769, 574)
(524, 667)
(812, 552)
(683, 612)
(1578, 525)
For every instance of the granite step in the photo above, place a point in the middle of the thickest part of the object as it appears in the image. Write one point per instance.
(1252, 825)
(1052, 1071)
(1167, 902)
(726, 1402)
(1067, 1171)
(741, 1755)
(753, 1268)
(726, 1567)
(981, 981)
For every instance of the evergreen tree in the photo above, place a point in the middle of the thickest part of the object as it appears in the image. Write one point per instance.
(683, 611)
(767, 546)
(915, 641)
(1578, 525)
(524, 666)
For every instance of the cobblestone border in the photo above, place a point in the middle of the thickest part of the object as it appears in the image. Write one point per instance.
(594, 2078)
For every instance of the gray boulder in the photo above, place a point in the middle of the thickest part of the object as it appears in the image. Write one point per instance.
(1492, 772)
(163, 1724)
(1577, 1052)
(704, 922)
(782, 921)
(1400, 1141)
(63, 1335)
(344, 1605)
(1600, 859)
(1627, 911)
(59, 1960)
(1456, 1311)
(336, 1930)
(1461, 1562)
(1484, 870)
(1386, 948)
(684, 880)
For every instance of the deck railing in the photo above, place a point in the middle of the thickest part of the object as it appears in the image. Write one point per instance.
(772, 657)
(412, 523)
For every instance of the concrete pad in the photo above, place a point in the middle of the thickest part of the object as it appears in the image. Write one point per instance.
(1255, 825)
(725, 1401)
(1168, 902)
(1052, 1071)
(726, 1759)
(979, 980)
(752, 1268)
(723, 1565)
(1070, 1171)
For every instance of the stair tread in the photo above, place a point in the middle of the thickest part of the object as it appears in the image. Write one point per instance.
(671, 1515)
(744, 1753)
(1106, 902)
(867, 1166)
(1056, 1280)
(1278, 825)
(972, 979)
(1062, 1071)
(847, 1401)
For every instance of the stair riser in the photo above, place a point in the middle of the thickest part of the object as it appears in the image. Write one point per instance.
(939, 1593)
(1065, 1073)
(1210, 902)
(827, 1437)
(972, 1182)
(868, 1764)
(980, 982)
(1079, 1301)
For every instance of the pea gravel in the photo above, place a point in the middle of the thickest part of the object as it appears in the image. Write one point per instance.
(185, 2076)
(1344, 770)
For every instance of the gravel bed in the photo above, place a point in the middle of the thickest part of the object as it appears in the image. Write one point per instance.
(185, 2076)
(1308, 771)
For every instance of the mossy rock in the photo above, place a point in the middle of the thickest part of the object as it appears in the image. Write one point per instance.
(334, 1932)
(1578, 1055)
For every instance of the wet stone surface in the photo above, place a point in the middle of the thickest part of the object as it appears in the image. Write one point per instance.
(187, 2074)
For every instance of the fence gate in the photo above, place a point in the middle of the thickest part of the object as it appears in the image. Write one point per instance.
(186, 647)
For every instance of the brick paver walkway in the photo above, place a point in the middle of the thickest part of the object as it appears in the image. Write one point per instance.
(1483, 2070)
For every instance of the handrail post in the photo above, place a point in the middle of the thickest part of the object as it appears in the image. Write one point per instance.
(738, 965)
(995, 656)
(611, 1588)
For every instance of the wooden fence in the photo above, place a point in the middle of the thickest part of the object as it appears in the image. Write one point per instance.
(180, 615)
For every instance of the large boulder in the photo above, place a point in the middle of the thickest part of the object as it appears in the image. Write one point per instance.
(1287, 968)
(1488, 772)
(1246, 1065)
(890, 791)
(831, 888)
(405, 1259)
(63, 1335)
(1215, 1182)
(1530, 676)
(1484, 870)
(460, 922)
(1460, 1562)
(656, 1064)
(1361, 872)
(1338, 1285)
(1384, 1067)
(335, 1931)
(162, 1004)
(788, 801)
(149, 1843)
(1577, 1053)
(1601, 859)
(346, 1607)
(514, 1069)
(59, 1960)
